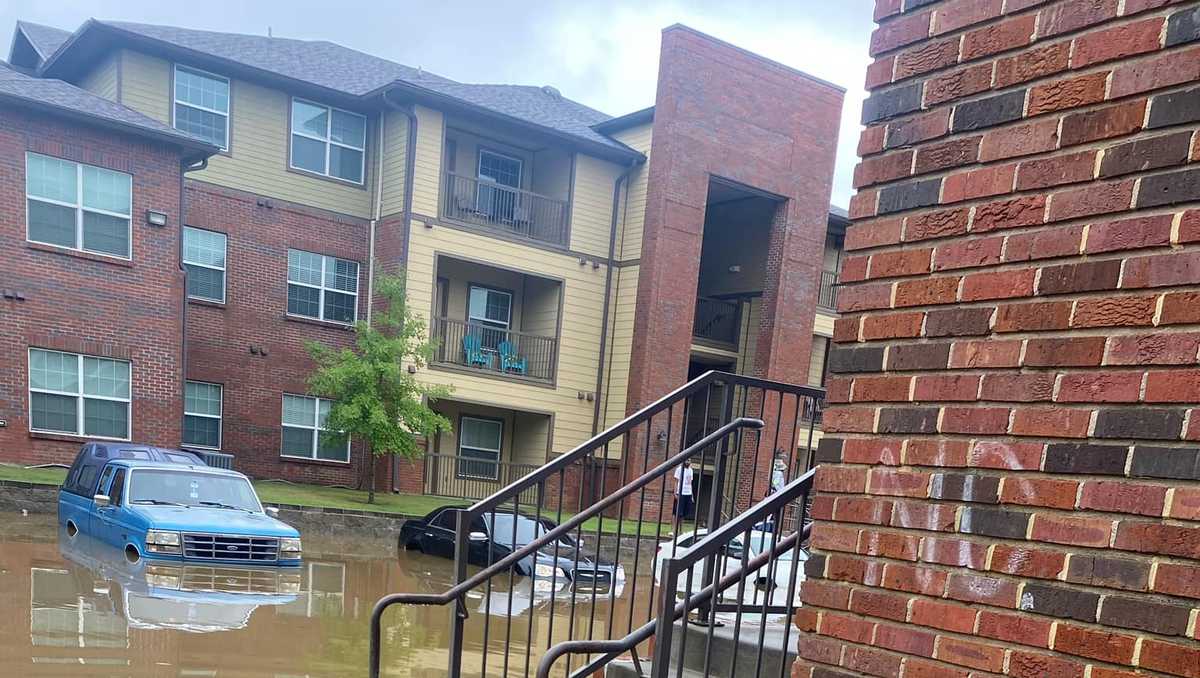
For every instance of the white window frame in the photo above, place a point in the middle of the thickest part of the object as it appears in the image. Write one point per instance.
(78, 395)
(220, 416)
(222, 269)
(80, 209)
(176, 102)
(505, 156)
(488, 321)
(322, 288)
(499, 451)
(328, 140)
(315, 429)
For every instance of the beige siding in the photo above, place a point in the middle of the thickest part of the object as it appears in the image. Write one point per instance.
(395, 149)
(823, 324)
(816, 360)
(531, 438)
(540, 302)
(637, 138)
(583, 291)
(103, 79)
(428, 168)
(259, 137)
(591, 208)
(620, 344)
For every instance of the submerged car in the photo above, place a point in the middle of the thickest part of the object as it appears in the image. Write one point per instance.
(775, 578)
(495, 535)
(158, 503)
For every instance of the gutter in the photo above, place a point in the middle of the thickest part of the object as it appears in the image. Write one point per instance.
(184, 168)
(410, 165)
(608, 276)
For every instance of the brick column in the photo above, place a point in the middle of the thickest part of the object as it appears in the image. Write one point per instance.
(1013, 485)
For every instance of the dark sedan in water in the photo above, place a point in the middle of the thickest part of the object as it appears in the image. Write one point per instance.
(495, 535)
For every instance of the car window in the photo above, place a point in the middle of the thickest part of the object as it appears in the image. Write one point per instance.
(151, 486)
(86, 484)
(117, 488)
(447, 520)
(105, 477)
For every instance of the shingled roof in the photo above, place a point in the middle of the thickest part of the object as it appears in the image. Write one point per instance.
(352, 73)
(45, 39)
(56, 96)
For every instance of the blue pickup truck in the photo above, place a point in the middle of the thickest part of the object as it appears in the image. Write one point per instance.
(168, 504)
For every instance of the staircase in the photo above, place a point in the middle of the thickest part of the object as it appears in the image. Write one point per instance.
(572, 619)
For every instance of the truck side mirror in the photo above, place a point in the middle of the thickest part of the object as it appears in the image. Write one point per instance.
(272, 511)
(101, 500)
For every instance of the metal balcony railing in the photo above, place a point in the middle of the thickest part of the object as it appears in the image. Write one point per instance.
(447, 475)
(516, 211)
(494, 350)
(827, 296)
(716, 320)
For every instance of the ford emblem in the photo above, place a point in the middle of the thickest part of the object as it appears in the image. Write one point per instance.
(231, 548)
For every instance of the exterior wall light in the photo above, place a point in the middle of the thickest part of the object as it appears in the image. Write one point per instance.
(156, 218)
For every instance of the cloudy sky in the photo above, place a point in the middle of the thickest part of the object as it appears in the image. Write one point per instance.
(604, 54)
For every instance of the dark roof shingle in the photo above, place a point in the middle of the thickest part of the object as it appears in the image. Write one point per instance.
(45, 39)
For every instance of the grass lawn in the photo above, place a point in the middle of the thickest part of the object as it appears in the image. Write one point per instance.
(333, 497)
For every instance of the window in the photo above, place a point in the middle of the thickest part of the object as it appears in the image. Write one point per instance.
(202, 105)
(202, 414)
(117, 490)
(304, 432)
(322, 287)
(78, 394)
(479, 447)
(77, 206)
(499, 175)
(489, 314)
(328, 141)
(204, 258)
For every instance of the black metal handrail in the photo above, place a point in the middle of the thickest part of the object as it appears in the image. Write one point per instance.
(448, 475)
(709, 547)
(827, 295)
(736, 453)
(514, 210)
(716, 320)
(494, 349)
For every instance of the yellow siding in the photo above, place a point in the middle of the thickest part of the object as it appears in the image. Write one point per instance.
(620, 346)
(591, 209)
(395, 149)
(540, 306)
(583, 291)
(630, 240)
(428, 168)
(259, 138)
(823, 324)
(531, 438)
(816, 360)
(102, 80)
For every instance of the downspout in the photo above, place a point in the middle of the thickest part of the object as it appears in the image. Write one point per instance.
(608, 276)
(410, 164)
(184, 168)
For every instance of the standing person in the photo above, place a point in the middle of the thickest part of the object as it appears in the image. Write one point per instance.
(778, 475)
(684, 497)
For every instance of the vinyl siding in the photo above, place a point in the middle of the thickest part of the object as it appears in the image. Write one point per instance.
(428, 165)
(395, 151)
(591, 208)
(823, 324)
(630, 242)
(620, 345)
(583, 291)
(103, 80)
(816, 360)
(259, 138)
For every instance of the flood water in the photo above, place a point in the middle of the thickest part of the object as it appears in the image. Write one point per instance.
(70, 607)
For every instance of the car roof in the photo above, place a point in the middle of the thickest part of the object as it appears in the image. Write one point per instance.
(174, 466)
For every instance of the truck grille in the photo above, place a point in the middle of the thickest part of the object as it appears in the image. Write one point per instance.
(230, 547)
(587, 581)
(230, 580)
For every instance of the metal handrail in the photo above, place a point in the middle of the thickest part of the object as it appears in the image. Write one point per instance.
(515, 210)
(456, 592)
(706, 547)
(827, 293)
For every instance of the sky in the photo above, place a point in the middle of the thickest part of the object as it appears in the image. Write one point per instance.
(601, 53)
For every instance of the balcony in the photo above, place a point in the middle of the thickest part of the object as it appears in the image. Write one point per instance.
(493, 350)
(717, 322)
(827, 295)
(482, 202)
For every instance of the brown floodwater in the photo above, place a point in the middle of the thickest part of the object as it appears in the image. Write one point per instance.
(69, 607)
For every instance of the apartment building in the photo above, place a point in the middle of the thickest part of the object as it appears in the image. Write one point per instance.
(572, 266)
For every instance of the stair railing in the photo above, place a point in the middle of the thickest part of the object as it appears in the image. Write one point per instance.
(791, 498)
(614, 492)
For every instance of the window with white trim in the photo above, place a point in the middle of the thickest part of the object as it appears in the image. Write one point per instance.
(479, 443)
(202, 414)
(489, 313)
(78, 394)
(202, 105)
(304, 432)
(322, 287)
(77, 206)
(204, 259)
(328, 141)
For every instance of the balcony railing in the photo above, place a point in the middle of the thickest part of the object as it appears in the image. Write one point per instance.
(827, 297)
(495, 350)
(523, 213)
(716, 320)
(447, 475)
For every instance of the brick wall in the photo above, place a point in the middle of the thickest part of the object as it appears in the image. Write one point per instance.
(1012, 487)
(82, 303)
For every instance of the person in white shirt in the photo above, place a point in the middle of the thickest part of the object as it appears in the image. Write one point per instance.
(684, 496)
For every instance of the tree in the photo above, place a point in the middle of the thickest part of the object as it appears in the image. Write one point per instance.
(375, 399)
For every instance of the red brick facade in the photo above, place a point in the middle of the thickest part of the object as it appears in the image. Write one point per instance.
(71, 301)
(1011, 484)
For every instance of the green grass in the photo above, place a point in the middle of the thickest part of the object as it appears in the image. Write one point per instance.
(272, 492)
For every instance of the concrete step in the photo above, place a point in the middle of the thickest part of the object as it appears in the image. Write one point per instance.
(722, 660)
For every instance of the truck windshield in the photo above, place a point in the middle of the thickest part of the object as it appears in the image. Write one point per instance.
(183, 488)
